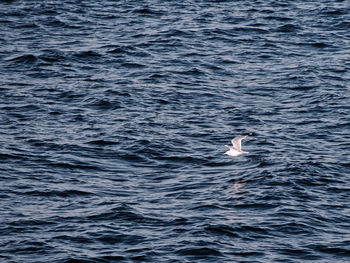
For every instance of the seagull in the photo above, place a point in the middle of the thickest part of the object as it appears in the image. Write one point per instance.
(236, 147)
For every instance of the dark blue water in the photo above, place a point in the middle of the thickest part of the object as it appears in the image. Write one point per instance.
(113, 121)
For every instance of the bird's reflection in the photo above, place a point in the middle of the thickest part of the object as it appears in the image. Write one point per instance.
(236, 189)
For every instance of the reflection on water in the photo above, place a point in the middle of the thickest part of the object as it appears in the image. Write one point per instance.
(236, 189)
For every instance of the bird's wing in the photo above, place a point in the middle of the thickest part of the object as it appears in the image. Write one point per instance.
(236, 142)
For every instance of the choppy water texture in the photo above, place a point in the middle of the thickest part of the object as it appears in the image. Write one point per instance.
(113, 121)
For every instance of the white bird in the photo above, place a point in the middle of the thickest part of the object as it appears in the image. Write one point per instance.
(236, 148)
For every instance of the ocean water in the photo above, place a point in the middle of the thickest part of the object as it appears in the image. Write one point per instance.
(113, 121)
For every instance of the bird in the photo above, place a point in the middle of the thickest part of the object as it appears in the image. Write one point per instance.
(236, 148)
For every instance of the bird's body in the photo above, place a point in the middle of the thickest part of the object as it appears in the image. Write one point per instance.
(236, 148)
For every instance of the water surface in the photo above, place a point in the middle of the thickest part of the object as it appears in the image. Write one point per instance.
(113, 121)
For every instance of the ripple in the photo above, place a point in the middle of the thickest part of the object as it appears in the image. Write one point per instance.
(63, 194)
(25, 59)
(199, 252)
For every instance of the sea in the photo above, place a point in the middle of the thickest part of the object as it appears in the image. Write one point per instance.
(114, 116)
